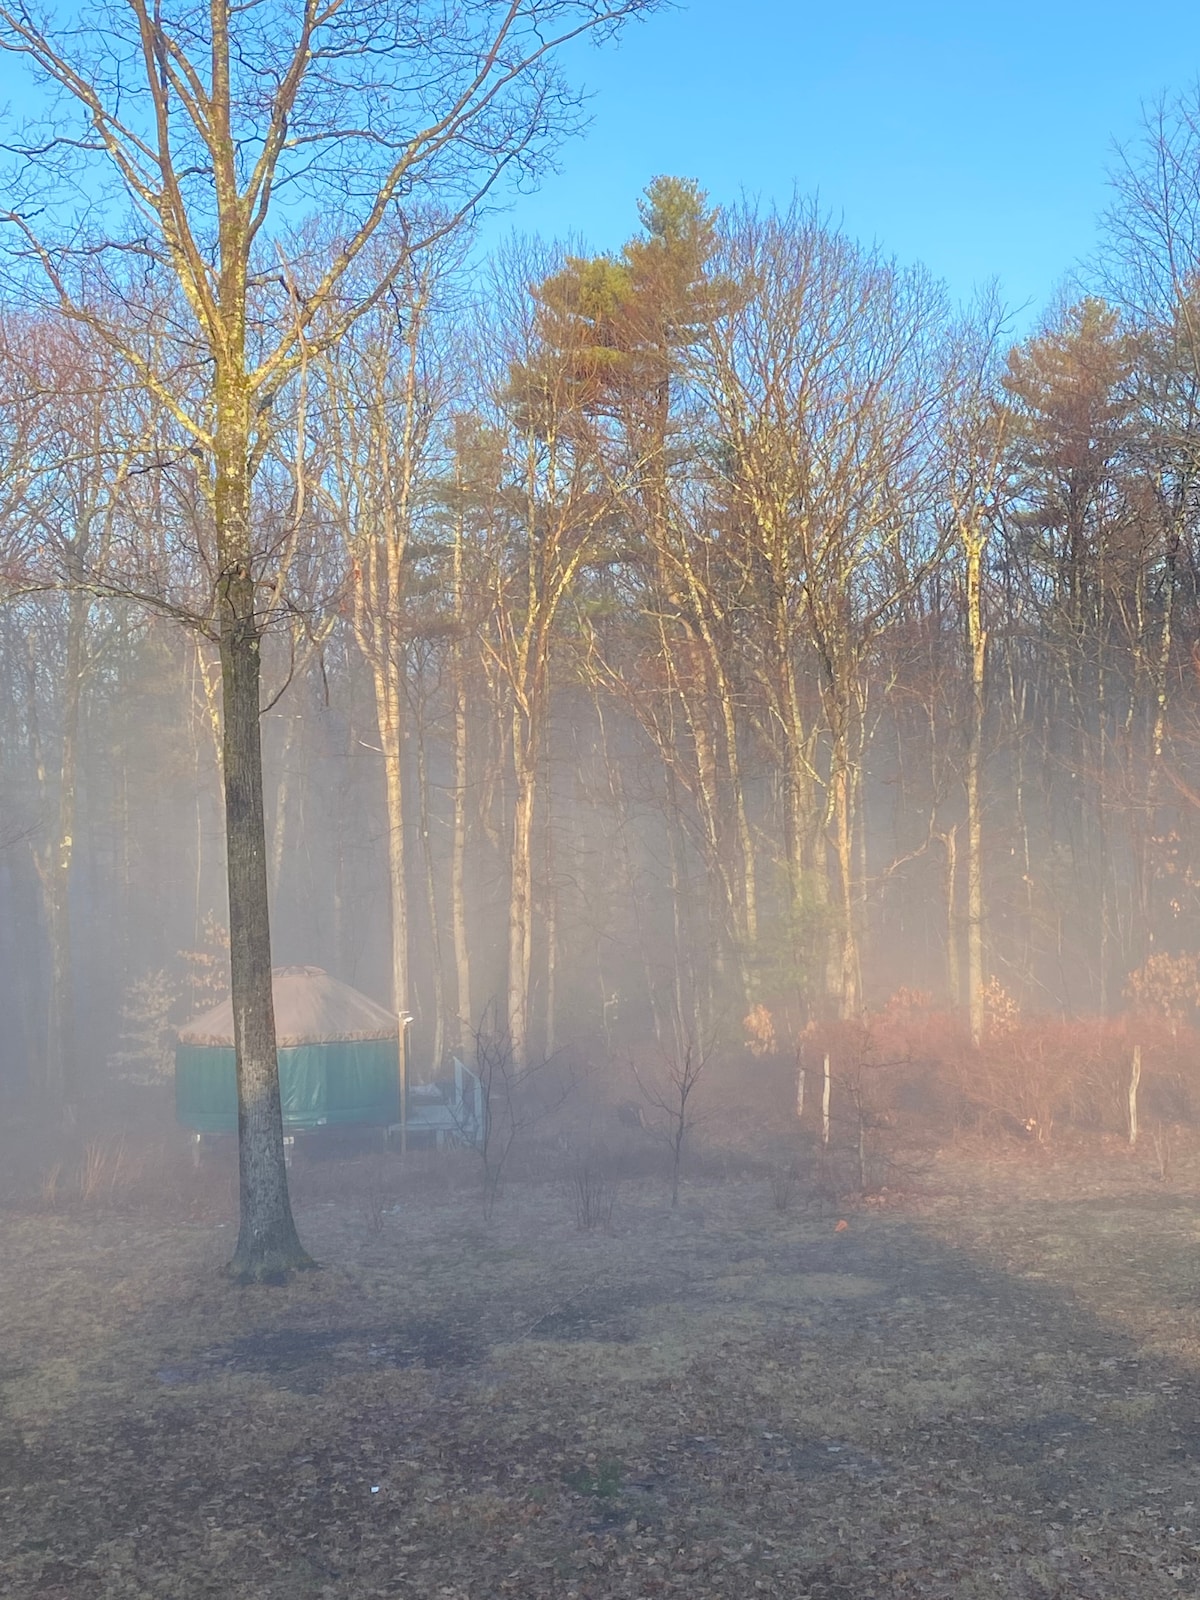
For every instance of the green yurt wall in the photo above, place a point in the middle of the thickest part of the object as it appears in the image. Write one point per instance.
(338, 1058)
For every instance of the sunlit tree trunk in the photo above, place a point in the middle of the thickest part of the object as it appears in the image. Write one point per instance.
(561, 506)
(376, 432)
(841, 799)
(974, 541)
(283, 796)
(435, 923)
(390, 724)
(458, 847)
(520, 905)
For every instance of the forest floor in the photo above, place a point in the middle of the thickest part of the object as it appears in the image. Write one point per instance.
(988, 1385)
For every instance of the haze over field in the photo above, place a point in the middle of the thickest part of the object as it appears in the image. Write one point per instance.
(727, 626)
(600, 737)
(691, 642)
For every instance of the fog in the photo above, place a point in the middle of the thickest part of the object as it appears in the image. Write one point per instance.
(857, 678)
(708, 739)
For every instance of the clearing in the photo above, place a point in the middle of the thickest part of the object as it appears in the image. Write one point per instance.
(987, 1386)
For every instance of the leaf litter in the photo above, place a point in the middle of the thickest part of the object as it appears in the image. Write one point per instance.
(991, 1389)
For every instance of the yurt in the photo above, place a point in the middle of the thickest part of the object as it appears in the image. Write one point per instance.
(338, 1058)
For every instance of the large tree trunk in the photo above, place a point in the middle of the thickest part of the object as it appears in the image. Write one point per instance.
(268, 1248)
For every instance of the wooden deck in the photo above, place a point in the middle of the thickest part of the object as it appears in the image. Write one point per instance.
(448, 1111)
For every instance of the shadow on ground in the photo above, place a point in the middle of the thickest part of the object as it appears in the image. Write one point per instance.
(997, 1397)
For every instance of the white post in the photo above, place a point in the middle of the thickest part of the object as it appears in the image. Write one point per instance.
(825, 1092)
(1135, 1077)
(799, 1092)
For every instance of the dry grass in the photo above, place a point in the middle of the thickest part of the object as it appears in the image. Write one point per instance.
(990, 1389)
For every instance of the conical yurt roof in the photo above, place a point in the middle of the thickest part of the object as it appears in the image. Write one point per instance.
(310, 1008)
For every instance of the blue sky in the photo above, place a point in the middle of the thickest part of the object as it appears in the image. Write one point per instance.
(972, 137)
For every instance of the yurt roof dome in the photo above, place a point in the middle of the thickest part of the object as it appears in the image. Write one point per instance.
(310, 1008)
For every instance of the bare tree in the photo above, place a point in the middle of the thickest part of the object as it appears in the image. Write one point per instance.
(975, 482)
(72, 498)
(553, 500)
(1151, 267)
(382, 392)
(1079, 534)
(219, 125)
(823, 382)
(670, 1096)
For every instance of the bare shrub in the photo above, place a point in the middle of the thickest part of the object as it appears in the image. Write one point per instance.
(784, 1178)
(1031, 1074)
(931, 1082)
(1047, 1073)
(670, 1095)
(882, 1108)
(593, 1195)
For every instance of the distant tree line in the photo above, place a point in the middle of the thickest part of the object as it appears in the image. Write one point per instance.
(725, 628)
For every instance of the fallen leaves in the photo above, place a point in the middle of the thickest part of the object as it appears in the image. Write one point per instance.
(742, 1407)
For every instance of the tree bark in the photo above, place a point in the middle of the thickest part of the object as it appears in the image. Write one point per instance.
(268, 1247)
